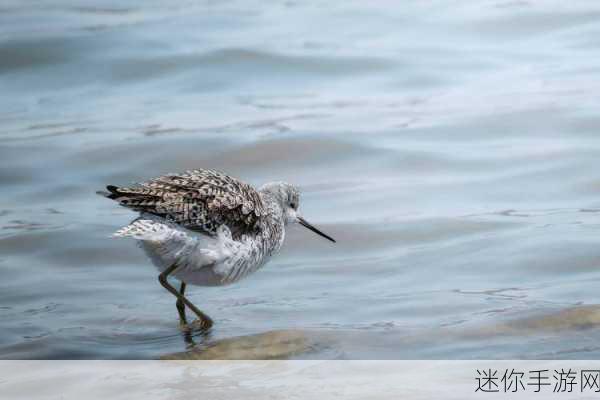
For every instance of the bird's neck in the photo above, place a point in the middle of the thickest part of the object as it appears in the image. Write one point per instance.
(273, 223)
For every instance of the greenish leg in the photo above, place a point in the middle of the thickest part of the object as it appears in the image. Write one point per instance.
(205, 321)
(180, 306)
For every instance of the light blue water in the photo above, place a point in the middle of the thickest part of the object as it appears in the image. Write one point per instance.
(451, 147)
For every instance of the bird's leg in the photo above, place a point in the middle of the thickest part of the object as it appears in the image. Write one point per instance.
(180, 306)
(205, 321)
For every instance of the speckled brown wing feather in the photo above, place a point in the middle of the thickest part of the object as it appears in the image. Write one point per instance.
(200, 200)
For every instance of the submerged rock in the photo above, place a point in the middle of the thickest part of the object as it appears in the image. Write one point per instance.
(572, 318)
(263, 346)
(580, 317)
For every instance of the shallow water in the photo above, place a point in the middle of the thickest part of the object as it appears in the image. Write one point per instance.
(451, 148)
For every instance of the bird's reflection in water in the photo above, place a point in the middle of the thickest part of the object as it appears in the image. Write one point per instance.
(194, 334)
(280, 344)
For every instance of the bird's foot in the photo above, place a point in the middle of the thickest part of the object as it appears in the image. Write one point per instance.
(195, 325)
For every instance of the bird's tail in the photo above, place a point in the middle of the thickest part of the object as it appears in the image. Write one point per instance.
(111, 192)
(102, 193)
(140, 199)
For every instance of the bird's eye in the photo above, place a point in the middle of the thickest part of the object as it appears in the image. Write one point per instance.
(293, 205)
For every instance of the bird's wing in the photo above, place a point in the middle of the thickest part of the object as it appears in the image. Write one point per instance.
(200, 200)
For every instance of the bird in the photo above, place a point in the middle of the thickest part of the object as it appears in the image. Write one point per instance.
(206, 228)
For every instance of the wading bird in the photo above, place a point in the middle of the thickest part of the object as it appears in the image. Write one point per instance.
(206, 228)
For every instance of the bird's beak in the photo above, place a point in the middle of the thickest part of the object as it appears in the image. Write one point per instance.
(303, 222)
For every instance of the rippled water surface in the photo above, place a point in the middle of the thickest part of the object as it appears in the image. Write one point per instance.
(451, 147)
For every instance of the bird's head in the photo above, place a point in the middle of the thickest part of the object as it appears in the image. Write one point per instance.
(288, 198)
